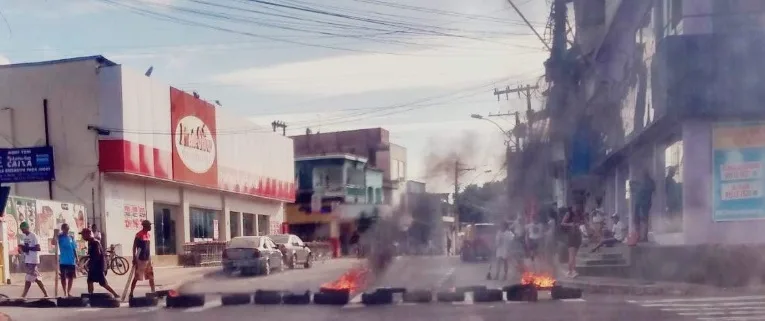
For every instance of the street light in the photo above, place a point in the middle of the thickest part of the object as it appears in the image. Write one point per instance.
(505, 132)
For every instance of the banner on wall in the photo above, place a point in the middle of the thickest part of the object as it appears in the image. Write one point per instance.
(194, 134)
(133, 215)
(737, 170)
(43, 217)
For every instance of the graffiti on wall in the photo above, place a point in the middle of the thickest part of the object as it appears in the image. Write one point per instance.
(133, 215)
(43, 217)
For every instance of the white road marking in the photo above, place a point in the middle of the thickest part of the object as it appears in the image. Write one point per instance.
(733, 308)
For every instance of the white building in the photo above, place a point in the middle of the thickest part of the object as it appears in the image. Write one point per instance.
(132, 148)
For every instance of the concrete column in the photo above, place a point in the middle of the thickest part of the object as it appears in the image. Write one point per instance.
(182, 223)
(256, 223)
(240, 223)
(224, 221)
(4, 257)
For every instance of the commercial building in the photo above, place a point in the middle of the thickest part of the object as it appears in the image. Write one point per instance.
(131, 148)
(335, 192)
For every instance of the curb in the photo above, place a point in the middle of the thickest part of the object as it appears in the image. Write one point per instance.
(635, 289)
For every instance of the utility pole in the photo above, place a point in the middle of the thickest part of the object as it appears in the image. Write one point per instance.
(521, 91)
(280, 124)
(457, 170)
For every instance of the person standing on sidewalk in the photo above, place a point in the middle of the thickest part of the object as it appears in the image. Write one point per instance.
(96, 263)
(572, 222)
(67, 259)
(142, 258)
(31, 249)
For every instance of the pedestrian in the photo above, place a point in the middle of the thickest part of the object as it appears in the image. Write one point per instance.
(448, 246)
(503, 244)
(96, 263)
(96, 233)
(142, 257)
(67, 259)
(573, 222)
(534, 237)
(31, 248)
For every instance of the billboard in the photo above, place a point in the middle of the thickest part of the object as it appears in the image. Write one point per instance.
(29, 164)
(193, 126)
(737, 171)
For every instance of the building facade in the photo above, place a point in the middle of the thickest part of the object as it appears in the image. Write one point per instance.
(371, 143)
(131, 148)
(676, 87)
(430, 222)
(335, 192)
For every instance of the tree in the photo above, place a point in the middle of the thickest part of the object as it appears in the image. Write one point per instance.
(486, 203)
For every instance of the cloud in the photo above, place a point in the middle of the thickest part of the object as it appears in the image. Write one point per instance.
(368, 72)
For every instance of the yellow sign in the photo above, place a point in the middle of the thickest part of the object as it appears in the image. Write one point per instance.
(293, 215)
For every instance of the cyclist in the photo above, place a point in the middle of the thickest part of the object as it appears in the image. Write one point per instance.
(142, 257)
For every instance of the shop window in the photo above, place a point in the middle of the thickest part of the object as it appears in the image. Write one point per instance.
(673, 186)
(234, 218)
(263, 225)
(202, 224)
(248, 221)
(164, 230)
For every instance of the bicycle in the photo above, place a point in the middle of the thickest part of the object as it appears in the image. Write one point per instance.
(118, 264)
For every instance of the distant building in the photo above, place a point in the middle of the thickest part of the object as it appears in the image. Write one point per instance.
(335, 191)
(430, 218)
(371, 143)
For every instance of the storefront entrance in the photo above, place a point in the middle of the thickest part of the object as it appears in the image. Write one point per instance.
(164, 229)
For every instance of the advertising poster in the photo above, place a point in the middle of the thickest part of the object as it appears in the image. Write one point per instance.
(133, 215)
(29, 164)
(43, 217)
(737, 165)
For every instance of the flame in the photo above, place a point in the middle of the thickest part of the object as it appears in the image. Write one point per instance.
(352, 280)
(539, 280)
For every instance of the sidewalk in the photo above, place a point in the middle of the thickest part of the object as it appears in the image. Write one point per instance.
(620, 286)
(165, 277)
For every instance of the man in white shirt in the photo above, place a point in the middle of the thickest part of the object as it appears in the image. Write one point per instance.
(504, 245)
(31, 248)
(617, 234)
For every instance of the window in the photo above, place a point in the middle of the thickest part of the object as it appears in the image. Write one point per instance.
(201, 224)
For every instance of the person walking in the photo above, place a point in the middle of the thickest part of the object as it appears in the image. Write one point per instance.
(504, 243)
(30, 247)
(67, 259)
(96, 263)
(448, 246)
(573, 222)
(142, 258)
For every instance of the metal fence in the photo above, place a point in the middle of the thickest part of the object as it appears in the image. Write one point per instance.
(202, 253)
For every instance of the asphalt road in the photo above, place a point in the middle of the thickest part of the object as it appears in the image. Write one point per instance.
(414, 272)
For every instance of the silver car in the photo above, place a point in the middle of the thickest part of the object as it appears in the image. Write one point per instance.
(294, 250)
(252, 255)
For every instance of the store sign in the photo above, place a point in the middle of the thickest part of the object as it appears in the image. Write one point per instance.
(737, 169)
(195, 150)
(195, 144)
(31, 164)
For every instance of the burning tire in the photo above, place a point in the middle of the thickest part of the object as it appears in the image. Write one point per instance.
(418, 296)
(75, 302)
(391, 290)
(562, 293)
(162, 293)
(142, 302)
(297, 298)
(487, 295)
(377, 298)
(185, 301)
(450, 297)
(268, 297)
(236, 299)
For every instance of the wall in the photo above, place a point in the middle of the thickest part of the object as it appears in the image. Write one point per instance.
(73, 104)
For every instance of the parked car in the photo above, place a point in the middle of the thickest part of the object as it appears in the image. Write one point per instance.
(478, 243)
(252, 255)
(294, 250)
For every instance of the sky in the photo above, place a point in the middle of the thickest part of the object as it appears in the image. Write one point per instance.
(418, 68)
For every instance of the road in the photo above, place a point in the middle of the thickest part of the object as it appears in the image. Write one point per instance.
(414, 272)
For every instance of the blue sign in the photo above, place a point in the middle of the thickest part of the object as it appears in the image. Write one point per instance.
(31, 164)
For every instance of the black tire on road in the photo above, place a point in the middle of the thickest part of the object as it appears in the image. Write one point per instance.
(297, 298)
(73, 302)
(418, 296)
(142, 302)
(377, 298)
(267, 297)
(332, 298)
(42, 303)
(450, 296)
(119, 265)
(487, 295)
(99, 302)
(236, 299)
(185, 301)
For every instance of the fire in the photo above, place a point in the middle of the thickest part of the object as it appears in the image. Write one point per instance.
(352, 280)
(539, 280)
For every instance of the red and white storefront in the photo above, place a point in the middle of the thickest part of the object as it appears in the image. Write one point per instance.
(139, 149)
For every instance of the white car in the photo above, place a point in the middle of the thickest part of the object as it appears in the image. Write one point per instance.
(295, 251)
